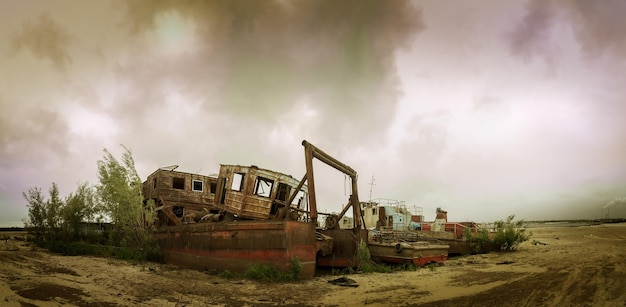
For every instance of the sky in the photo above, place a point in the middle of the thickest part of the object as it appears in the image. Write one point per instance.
(483, 108)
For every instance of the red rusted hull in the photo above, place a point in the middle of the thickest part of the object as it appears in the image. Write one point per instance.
(345, 245)
(238, 245)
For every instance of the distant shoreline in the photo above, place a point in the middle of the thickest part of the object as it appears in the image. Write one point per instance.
(529, 224)
(12, 229)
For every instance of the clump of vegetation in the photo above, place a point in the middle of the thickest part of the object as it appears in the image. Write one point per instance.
(267, 273)
(295, 267)
(505, 235)
(264, 272)
(109, 219)
(510, 234)
(227, 274)
(479, 242)
(364, 258)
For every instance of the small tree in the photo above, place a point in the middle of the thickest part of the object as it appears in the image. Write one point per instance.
(510, 234)
(36, 223)
(79, 207)
(54, 205)
(120, 193)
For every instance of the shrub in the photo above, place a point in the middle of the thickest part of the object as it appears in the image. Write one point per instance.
(507, 236)
(295, 267)
(479, 241)
(227, 274)
(263, 272)
(510, 234)
(269, 273)
(364, 258)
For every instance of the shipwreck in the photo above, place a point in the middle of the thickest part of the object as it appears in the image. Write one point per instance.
(248, 215)
(392, 218)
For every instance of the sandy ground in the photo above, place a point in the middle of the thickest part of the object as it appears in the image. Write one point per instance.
(579, 266)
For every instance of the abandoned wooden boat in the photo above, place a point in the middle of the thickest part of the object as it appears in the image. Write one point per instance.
(397, 246)
(418, 253)
(251, 216)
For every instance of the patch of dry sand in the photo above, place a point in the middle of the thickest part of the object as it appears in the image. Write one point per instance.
(579, 266)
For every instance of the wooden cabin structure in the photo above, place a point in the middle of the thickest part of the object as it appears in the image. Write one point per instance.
(179, 197)
(250, 192)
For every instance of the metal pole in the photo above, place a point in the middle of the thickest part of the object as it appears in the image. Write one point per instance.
(308, 157)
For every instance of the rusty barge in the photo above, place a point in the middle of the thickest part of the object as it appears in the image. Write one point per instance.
(247, 215)
(390, 217)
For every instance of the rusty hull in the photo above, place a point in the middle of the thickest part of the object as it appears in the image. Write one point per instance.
(417, 253)
(345, 245)
(236, 246)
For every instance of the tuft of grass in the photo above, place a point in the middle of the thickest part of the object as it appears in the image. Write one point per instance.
(432, 266)
(227, 274)
(267, 273)
(295, 267)
(263, 272)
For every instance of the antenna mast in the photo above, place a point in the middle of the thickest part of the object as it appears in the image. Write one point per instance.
(371, 186)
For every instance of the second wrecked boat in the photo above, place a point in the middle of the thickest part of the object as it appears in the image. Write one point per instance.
(417, 253)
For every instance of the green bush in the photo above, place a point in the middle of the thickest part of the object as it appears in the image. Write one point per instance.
(509, 234)
(227, 274)
(478, 242)
(295, 267)
(269, 273)
(263, 272)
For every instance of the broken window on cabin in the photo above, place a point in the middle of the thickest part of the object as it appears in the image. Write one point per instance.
(154, 183)
(373, 211)
(237, 182)
(263, 186)
(283, 191)
(198, 186)
(213, 187)
(178, 183)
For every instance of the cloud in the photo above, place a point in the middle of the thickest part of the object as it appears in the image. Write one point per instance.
(533, 34)
(45, 39)
(257, 60)
(597, 26)
(31, 133)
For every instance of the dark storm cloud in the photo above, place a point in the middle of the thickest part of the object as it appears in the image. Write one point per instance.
(45, 39)
(598, 26)
(532, 35)
(37, 132)
(260, 58)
